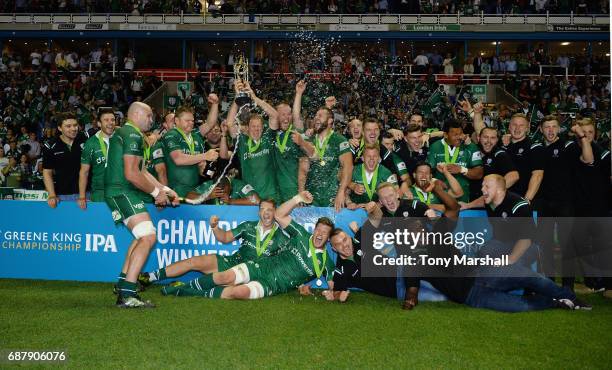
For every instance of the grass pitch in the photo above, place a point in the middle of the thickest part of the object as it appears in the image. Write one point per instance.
(293, 332)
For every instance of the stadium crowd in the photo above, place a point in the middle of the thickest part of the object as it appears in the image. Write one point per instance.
(363, 86)
(466, 7)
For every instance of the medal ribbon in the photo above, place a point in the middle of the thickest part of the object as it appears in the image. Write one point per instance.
(261, 248)
(283, 144)
(369, 190)
(320, 148)
(103, 145)
(423, 196)
(315, 261)
(251, 147)
(190, 142)
(447, 158)
(360, 149)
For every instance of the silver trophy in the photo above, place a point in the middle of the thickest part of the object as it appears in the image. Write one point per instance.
(241, 73)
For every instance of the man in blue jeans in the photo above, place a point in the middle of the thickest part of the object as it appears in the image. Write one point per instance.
(490, 286)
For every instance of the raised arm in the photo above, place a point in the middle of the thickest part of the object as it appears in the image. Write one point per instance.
(224, 236)
(586, 155)
(224, 152)
(270, 111)
(231, 120)
(300, 87)
(213, 115)
(282, 213)
(304, 167)
(452, 208)
(346, 161)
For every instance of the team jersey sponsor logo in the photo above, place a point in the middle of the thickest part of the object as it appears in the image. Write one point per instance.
(247, 189)
(344, 145)
(476, 156)
(401, 166)
(158, 153)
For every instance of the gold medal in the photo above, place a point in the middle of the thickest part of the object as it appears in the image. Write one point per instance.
(322, 163)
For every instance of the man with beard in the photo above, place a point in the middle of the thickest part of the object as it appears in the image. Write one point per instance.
(287, 152)
(304, 259)
(331, 161)
(463, 161)
(422, 180)
(259, 239)
(528, 158)
(255, 149)
(212, 132)
(93, 158)
(495, 161)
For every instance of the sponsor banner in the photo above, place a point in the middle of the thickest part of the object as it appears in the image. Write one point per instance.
(67, 243)
(80, 26)
(431, 27)
(479, 92)
(286, 27)
(359, 27)
(31, 195)
(579, 28)
(147, 27)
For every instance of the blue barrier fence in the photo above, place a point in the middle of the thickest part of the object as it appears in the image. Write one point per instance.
(67, 243)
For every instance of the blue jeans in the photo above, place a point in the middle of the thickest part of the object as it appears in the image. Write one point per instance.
(493, 292)
(496, 248)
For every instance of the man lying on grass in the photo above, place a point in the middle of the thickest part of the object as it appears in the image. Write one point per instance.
(259, 239)
(304, 259)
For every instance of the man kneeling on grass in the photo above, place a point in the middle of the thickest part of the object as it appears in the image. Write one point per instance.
(304, 259)
(259, 239)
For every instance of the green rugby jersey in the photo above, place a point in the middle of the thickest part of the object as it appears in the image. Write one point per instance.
(383, 175)
(468, 156)
(247, 232)
(182, 179)
(127, 140)
(257, 163)
(94, 155)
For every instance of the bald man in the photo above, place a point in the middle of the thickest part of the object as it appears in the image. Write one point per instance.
(126, 183)
(512, 219)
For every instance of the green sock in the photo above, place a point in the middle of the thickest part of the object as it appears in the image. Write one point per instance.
(127, 289)
(121, 278)
(215, 292)
(161, 274)
(204, 282)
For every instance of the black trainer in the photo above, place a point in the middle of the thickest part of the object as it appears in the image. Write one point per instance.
(564, 303)
(144, 281)
(581, 305)
(132, 302)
